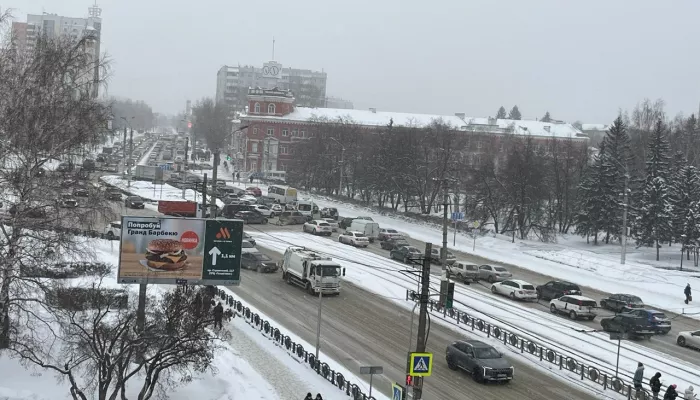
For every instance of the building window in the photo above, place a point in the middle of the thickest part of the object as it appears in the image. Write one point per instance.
(271, 108)
(283, 167)
(255, 148)
(478, 144)
(270, 131)
(257, 108)
(255, 131)
(283, 149)
(500, 147)
(294, 133)
(312, 134)
(284, 132)
(303, 134)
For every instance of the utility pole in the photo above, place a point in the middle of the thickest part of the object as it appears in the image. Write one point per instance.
(444, 281)
(623, 237)
(124, 146)
(342, 161)
(131, 152)
(214, 176)
(318, 326)
(423, 316)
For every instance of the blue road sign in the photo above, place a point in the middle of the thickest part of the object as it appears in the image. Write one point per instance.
(421, 364)
(396, 392)
(165, 167)
(457, 216)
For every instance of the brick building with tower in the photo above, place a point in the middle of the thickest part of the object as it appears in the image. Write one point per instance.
(274, 125)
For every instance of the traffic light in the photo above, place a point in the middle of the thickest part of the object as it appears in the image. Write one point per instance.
(228, 157)
(450, 295)
(409, 380)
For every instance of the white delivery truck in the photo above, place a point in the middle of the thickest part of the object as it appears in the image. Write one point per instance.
(308, 208)
(369, 228)
(311, 271)
(148, 173)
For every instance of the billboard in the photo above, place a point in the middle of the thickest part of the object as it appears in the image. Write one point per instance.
(166, 250)
(272, 70)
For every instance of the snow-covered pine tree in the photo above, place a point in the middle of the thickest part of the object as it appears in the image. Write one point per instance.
(501, 114)
(514, 113)
(654, 211)
(590, 201)
(547, 117)
(691, 229)
(616, 157)
(684, 192)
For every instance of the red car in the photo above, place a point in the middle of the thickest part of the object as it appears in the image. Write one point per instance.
(255, 191)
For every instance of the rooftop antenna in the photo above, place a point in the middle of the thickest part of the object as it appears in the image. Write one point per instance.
(95, 11)
(273, 48)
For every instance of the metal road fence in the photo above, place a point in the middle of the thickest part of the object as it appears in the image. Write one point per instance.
(540, 352)
(294, 349)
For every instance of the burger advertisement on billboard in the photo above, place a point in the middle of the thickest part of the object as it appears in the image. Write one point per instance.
(174, 251)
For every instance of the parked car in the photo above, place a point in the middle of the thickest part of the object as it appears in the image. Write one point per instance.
(255, 191)
(113, 194)
(68, 201)
(365, 218)
(656, 318)
(292, 218)
(385, 233)
(259, 262)
(392, 242)
(357, 239)
(230, 210)
(247, 247)
(689, 339)
(556, 289)
(436, 259)
(248, 238)
(30, 212)
(405, 254)
(481, 360)
(493, 274)
(630, 324)
(113, 230)
(134, 202)
(80, 192)
(250, 217)
(574, 306)
(333, 223)
(329, 212)
(317, 227)
(621, 302)
(463, 272)
(515, 289)
(263, 210)
(345, 223)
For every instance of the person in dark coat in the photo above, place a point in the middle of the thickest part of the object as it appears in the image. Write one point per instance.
(251, 178)
(218, 315)
(688, 294)
(671, 393)
(318, 396)
(655, 384)
(309, 396)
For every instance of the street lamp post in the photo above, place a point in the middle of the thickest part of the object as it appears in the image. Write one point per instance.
(515, 224)
(131, 150)
(342, 164)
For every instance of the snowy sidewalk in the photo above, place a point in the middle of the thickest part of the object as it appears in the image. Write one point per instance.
(285, 382)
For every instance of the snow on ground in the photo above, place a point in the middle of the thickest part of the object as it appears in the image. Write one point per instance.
(148, 191)
(380, 275)
(249, 367)
(599, 270)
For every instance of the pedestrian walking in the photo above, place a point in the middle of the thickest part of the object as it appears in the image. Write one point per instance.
(218, 315)
(688, 294)
(251, 178)
(309, 396)
(689, 394)
(318, 396)
(655, 384)
(671, 393)
(638, 379)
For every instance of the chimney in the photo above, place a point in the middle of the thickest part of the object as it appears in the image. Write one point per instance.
(374, 110)
(492, 121)
(460, 115)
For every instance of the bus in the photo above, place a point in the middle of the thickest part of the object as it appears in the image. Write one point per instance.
(282, 194)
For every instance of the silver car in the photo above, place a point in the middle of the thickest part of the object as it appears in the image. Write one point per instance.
(493, 274)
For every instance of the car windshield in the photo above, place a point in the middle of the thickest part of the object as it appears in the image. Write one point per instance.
(134, 198)
(118, 226)
(247, 245)
(486, 353)
(323, 224)
(391, 231)
(635, 299)
(360, 235)
(658, 315)
(500, 269)
(413, 250)
(528, 287)
(328, 270)
(304, 207)
(261, 257)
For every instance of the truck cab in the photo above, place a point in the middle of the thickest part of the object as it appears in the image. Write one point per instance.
(312, 271)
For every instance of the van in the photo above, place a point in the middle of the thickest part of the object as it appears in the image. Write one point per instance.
(369, 228)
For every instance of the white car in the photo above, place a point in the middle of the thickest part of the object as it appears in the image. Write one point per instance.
(113, 230)
(574, 306)
(516, 289)
(249, 198)
(263, 210)
(318, 227)
(276, 208)
(357, 239)
(333, 223)
(689, 339)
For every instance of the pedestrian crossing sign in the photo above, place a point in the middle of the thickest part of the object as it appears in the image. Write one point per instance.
(421, 364)
(396, 392)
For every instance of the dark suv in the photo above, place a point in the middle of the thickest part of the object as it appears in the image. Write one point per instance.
(628, 323)
(656, 319)
(621, 302)
(345, 223)
(134, 202)
(556, 289)
(230, 210)
(484, 362)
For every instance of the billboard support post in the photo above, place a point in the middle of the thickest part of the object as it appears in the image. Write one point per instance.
(141, 310)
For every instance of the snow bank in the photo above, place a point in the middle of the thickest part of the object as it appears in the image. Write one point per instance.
(148, 191)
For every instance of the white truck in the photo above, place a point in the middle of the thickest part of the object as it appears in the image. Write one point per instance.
(147, 172)
(369, 228)
(311, 271)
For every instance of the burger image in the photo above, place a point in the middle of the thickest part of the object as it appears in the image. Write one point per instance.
(165, 254)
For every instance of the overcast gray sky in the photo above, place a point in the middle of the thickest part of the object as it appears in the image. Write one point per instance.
(578, 59)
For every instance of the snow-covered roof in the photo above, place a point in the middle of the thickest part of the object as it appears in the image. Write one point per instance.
(595, 127)
(469, 124)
